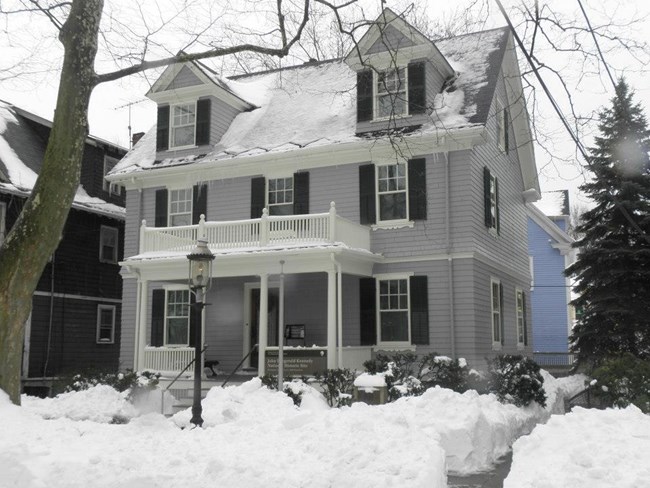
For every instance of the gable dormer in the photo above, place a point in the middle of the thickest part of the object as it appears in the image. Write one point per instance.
(195, 108)
(399, 72)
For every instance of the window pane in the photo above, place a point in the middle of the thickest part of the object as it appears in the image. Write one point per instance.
(177, 331)
(181, 219)
(394, 326)
(183, 136)
(392, 206)
(281, 209)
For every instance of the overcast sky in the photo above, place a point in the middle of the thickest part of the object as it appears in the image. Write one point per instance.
(110, 110)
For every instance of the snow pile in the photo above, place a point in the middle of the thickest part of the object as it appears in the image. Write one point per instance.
(585, 449)
(560, 389)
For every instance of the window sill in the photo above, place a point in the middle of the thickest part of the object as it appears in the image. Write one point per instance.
(379, 120)
(106, 342)
(181, 148)
(393, 224)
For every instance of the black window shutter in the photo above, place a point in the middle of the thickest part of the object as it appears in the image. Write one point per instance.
(162, 128)
(199, 202)
(258, 187)
(498, 210)
(417, 88)
(417, 189)
(486, 197)
(195, 320)
(158, 318)
(506, 129)
(203, 121)
(419, 310)
(523, 304)
(367, 194)
(368, 309)
(161, 208)
(301, 193)
(501, 314)
(364, 96)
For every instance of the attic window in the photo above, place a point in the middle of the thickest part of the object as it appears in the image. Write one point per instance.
(183, 123)
(391, 91)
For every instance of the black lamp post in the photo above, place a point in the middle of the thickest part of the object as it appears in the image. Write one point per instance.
(200, 277)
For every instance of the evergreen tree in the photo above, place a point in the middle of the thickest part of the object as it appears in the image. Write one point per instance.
(612, 270)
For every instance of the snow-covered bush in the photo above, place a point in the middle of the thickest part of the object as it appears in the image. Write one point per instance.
(294, 389)
(136, 383)
(516, 379)
(399, 369)
(622, 381)
(336, 385)
(443, 371)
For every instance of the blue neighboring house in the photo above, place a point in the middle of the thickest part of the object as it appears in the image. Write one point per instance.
(550, 251)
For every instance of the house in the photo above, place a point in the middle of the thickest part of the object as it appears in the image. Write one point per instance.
(75, 319)
(387, 189)
(551, 252)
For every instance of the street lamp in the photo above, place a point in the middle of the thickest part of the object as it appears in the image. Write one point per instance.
(200, 276)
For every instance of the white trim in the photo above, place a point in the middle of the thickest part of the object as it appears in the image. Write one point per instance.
(169, 204)
(520, 344)
(392, 277)
(249, 286)
(77, 297)
(501, 128)
(104, 231)
(107, 186)
(496, 345)
(375, 93)
(27, 341)
(171, 147)
(176, 287)
(267, 192)
(100, 308)
(394, 223)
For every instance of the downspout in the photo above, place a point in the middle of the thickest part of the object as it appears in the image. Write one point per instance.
(339, 311)
(50, 324)
(450, 260)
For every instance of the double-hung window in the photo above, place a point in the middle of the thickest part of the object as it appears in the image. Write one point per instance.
(280, 195)
(392, 187)
(183, 125)
(394, 310)
(491, 197)
(180, 207)
(108, 237)
(520, 299)
(391, 93)
(105, 324)
(177, 317)
(496, 296)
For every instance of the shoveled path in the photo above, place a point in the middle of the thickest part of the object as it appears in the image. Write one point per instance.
(489, 479)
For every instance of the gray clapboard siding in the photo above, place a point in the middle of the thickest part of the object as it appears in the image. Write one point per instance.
(132, 225)
(229, 199)
(127, 343)
(184, 78)
(391, 39)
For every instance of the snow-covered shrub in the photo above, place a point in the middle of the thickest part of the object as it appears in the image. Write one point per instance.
(336, 385)
(399, 369)
(136, 383)
(516, 379)
(294, 389)
(443, 371)
(622, 381)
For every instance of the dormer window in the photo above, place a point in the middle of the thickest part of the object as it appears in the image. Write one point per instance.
(391, 93)
(183, 125)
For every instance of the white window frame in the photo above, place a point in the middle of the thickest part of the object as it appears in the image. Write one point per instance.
(107, 186)
(531, 265)
(100, 309)
(376, 94)
(104, 230)
(268, 193)
(189, 212)
(494, 204)
(3, 221)
(496, 338)
(378, 194)
(520, 318)
(501, 126)
(167, 317)
(172, 127)
(393, 277)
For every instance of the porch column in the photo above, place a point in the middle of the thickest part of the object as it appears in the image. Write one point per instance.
(141, 324)
(331, 319)
(263, 324)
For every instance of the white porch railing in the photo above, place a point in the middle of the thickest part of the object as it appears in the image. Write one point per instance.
(167, 359)
(309, 229)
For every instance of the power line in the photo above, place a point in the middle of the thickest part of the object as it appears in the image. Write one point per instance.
(593, 34)
(559, 113)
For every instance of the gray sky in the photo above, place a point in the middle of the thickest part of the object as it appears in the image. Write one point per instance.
(109, 110)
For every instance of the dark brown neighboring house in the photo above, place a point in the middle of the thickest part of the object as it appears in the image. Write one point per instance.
(76, 309)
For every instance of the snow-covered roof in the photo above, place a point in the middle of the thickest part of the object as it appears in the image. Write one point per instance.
(554, 203)
(22, 148)
(315, 105)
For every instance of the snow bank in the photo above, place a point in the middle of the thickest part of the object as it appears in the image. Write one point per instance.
(585, 449)
(559, 389)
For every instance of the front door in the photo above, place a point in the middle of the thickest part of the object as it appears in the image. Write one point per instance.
(255, 320)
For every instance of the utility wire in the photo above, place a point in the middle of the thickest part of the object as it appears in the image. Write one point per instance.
(593, 34)
(559, 113)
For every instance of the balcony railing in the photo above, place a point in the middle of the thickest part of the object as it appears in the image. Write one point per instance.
(267, 231)
(167, 359)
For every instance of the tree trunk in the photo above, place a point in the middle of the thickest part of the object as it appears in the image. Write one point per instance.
(37, 232)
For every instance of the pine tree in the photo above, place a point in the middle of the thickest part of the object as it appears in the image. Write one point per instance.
(612, 270)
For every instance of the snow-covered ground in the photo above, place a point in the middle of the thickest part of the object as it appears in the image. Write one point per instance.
(253, 436)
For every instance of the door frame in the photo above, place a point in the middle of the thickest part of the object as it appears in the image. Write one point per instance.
(246, 329)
